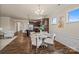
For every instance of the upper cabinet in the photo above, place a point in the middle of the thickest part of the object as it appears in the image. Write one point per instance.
(36, 24)
(46, 24)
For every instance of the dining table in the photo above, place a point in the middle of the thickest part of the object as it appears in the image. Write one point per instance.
(38, 39)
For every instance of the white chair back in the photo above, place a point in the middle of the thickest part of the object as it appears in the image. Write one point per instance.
(36, 40)
(51, 39)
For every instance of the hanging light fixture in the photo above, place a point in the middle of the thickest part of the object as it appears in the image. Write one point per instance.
(39, 11)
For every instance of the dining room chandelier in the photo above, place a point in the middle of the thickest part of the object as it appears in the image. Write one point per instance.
(39, 11)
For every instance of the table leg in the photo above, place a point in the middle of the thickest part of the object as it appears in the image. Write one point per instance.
(36, 46)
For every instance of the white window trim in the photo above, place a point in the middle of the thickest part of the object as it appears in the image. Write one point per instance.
(52, 21)
(67, 16)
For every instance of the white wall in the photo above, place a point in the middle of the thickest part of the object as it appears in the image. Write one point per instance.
(69, 34)
(24, 23)
(70, 28)
(5, 23)
(12, 25)
(9, 24)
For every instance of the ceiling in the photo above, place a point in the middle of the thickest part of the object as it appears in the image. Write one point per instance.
(28, 10)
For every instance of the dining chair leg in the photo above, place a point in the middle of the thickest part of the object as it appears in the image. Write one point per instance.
(36, 46)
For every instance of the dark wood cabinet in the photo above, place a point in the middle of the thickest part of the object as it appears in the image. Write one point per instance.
(36, 24)
(46, 23)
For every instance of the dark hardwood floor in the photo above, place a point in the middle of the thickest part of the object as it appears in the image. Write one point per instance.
(22, 45)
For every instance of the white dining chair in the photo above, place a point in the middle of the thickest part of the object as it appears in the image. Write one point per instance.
(50, 40)
(36, 40)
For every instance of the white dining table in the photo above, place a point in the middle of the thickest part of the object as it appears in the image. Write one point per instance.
(37, 38)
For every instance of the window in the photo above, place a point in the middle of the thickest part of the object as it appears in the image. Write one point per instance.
(73, 15)
(54, 20)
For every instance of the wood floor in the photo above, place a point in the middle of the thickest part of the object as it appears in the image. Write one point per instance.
(22, 45)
